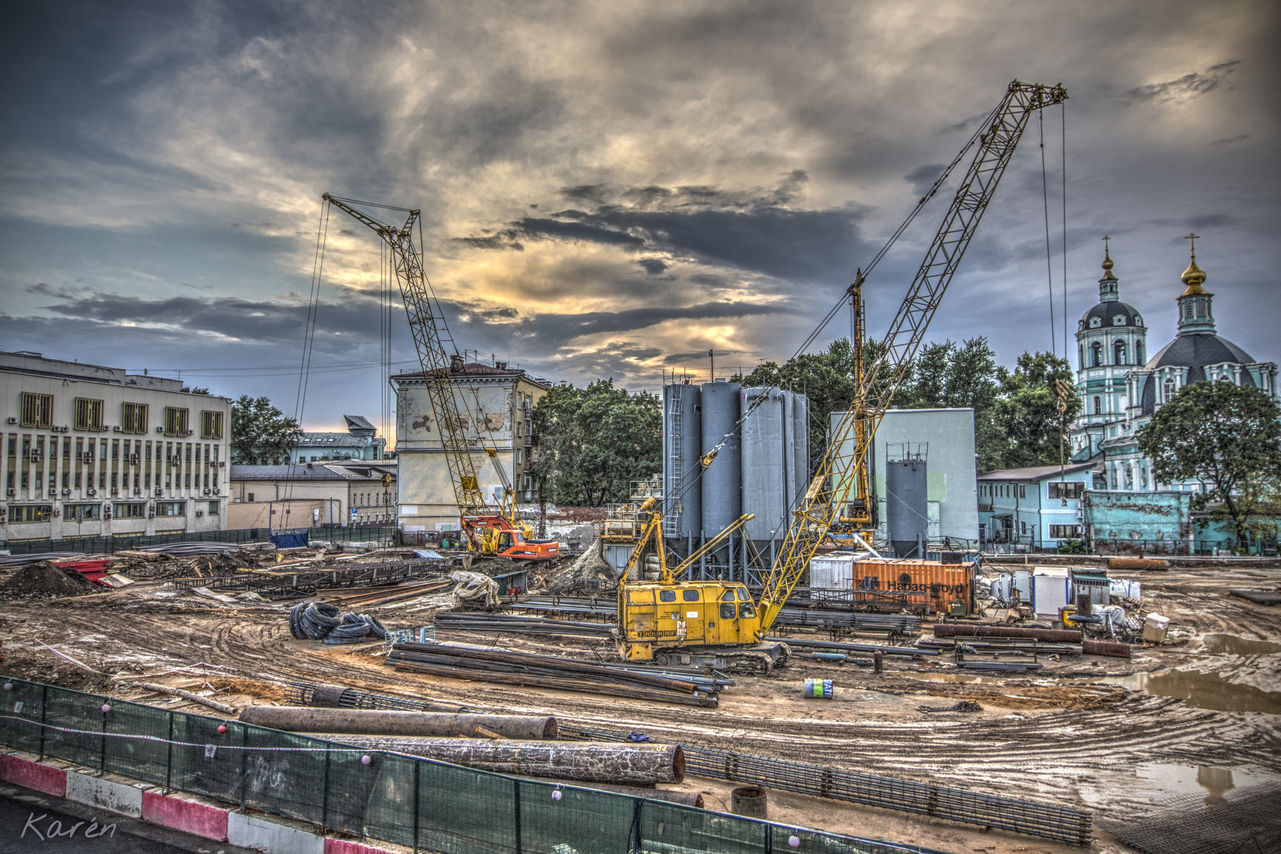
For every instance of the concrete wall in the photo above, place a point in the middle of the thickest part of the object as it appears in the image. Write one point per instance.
(951, 497)
(493, 412)
(1150, 518)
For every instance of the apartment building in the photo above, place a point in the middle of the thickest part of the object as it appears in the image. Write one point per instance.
(92, 451)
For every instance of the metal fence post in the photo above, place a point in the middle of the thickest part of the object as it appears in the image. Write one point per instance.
(516, 804)
(169, 759)
(324, 800)
(244, 762)
(638, 804)
(417, 800)
(44, 711)
(102, 747)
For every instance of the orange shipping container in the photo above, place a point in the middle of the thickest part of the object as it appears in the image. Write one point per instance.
(928, 586)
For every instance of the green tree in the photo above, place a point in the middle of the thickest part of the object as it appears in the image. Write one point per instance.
(260, 433)
(1226, 436)
(1026, 412)
(594, 441)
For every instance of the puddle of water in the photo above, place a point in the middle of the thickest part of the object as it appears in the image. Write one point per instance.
(1213, 782)
(1203, 691)
(1233, 645)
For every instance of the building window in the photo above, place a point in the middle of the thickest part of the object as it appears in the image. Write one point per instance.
(88, 414)
(214, 507)
(1138, 352)
(1022, 490)
(1118, 353)
(1098, 405)
(210, 425)
(1065, 532)
(1096, 354)
(133, 418)
(175, 421)
(171, 508)
(81, 512)
(249, 497)
(1066, 489)
(1167, 389)
(36, 410)
(30, 512)
(129, 510)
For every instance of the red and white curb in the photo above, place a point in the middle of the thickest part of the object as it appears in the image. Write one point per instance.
(179, 812)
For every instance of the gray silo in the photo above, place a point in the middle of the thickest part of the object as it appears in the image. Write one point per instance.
(765, 460)
(799, 442)
(722, 481)
(682, 486)
(906, 492)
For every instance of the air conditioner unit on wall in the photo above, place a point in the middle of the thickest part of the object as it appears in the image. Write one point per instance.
(115, 429)
(13, 420)
(91, 492)
(160, 429)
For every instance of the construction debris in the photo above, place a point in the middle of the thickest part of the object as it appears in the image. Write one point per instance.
(187, 695)
(44, 580)
(374, 722)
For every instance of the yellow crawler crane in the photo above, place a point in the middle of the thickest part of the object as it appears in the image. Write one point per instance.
(717, 622)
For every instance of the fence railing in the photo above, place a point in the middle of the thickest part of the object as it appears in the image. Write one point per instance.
(389, 797)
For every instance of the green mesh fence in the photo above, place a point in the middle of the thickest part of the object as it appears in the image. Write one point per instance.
(414, 802)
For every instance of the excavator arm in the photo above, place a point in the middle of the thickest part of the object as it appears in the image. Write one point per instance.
(845, 462)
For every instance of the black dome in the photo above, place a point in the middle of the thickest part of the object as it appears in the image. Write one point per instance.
(1106, 311)
(1193, 351)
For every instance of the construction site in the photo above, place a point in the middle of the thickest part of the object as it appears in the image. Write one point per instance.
(743, 657)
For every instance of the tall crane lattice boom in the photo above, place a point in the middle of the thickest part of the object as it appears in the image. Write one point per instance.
(840, 467)
(405, 243)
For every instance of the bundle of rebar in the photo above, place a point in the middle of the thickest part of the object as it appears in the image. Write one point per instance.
(1030, 645)
(553, 672)
(360, 597)
(835, 646)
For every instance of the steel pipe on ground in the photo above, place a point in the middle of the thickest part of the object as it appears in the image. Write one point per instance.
(960, 630)
(585, 761)
(671, 796)
(377, 722)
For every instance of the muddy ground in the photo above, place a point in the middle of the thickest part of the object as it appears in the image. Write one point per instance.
(1198, 716)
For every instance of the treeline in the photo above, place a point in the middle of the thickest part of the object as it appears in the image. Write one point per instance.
(594, 442)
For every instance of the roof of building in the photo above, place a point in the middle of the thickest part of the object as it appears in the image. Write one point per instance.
(1034, 472)
(344, 439)
(1194, 351)
(1108, 311)
(354, 470)
(359, 423)
(475, 369)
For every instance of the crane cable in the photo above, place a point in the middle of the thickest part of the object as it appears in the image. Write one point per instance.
(691, 478)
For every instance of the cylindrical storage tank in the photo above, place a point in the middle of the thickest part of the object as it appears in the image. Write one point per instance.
(799, 441)
(682, 440)
(905, 507)
(722, 480)
(765, 487)
(749, 802)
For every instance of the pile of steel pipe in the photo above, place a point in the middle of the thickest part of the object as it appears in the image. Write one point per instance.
(376, 722)
(1004, 645)
(804, 643)
(1111, 649)
(549, 671)
(995, 630)
(608, 762)
(993, 666)
(484, 622)
(338, 697)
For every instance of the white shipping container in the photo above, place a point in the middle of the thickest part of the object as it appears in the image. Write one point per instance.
(832, 575)
(1023, 584)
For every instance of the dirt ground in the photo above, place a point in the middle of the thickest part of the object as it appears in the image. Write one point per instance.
(1198, 715)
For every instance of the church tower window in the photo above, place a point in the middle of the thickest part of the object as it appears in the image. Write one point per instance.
(1096, 354)
(1098, 405)
(1118, 353)
(1168, 388)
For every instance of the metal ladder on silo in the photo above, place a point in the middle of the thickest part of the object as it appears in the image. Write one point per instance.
(672, 489)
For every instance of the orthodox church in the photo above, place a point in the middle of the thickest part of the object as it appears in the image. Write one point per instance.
(1120, 390)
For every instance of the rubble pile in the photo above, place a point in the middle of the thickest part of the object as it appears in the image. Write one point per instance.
(43, 580)
(587, 574)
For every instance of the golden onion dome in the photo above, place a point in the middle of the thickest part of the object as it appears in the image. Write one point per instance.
(1193, 277)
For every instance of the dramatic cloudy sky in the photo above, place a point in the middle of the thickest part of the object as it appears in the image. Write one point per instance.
(608, 189)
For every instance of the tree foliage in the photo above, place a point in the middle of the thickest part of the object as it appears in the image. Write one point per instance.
(260, 433)
(1225, 436)
(1026, 412)
(594, 441)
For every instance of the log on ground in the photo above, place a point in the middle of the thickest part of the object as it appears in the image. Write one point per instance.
(585, 761)
(378, 722)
